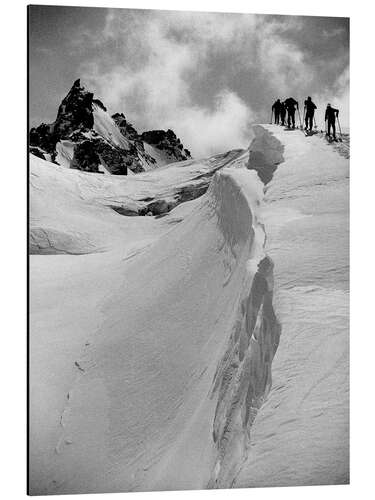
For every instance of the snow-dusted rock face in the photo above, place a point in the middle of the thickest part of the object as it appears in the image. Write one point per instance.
(43, 138)
(101, 143)
(168, 143)
(126, 128)
(75, 112)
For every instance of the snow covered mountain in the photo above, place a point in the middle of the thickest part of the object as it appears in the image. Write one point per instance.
(189, 325)
(85, 137)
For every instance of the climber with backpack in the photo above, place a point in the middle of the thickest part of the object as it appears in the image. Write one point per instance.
(310, 108)
(330, 117)
(291, 105)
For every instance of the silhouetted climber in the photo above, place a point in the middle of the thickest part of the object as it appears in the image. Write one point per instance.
(290, 105)
(282, 113)
(276, 106)
(330, 117)
(309, 113)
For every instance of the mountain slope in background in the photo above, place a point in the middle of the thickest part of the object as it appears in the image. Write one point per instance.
(85, 137)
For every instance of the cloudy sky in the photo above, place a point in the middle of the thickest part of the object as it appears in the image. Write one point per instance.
(207, 76)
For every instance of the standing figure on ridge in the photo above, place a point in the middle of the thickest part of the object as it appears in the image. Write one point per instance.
(282, 113)
(309, 113)
(290, 105)
(330, 117)
(276, 106)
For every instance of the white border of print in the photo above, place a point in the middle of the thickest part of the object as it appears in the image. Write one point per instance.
(13, 260)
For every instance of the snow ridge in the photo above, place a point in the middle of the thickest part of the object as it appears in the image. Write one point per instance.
(173, 344)
(243, 378)
(266, 153)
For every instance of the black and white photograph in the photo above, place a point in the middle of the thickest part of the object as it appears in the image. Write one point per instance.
(188, 241)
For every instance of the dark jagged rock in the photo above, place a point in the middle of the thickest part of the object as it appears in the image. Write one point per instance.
(75, 112)
(99, 103)
(85, 157)
(75, 121)
(125, 127)
(154, 137)
(89, 154)
(115, 160)
(168, 142)
(38, 152)
(128, 131)
(43, 137)
(159, 207)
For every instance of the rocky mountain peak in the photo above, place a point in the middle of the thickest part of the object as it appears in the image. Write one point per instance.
(75, 111)
(84, 136)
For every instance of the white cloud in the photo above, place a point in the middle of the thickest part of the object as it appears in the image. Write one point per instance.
(221, 129)
(157, 94)
(281, 60)
(339, 99)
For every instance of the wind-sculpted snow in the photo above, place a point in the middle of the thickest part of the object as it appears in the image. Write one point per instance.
(265, 153)
(156, 356)
(244, 375)
(142, 400)
(78, 213)
(301, 434)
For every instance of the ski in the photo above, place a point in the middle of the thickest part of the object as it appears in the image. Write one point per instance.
(331, 139)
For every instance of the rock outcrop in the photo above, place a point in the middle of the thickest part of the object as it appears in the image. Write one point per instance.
(75, 112)
(102, 143)
(167, 142)
(43, 137)
(126, 128)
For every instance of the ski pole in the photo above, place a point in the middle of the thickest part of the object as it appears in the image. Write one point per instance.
(315, 125)
(271, 117)
(338, 123)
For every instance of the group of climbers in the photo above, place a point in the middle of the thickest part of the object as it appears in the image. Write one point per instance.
(281, 109)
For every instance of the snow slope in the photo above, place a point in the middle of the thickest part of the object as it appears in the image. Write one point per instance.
(152, 338)
(144, 349)
(160, 157)
(105, 126)
(77, 212)
(301, 434)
